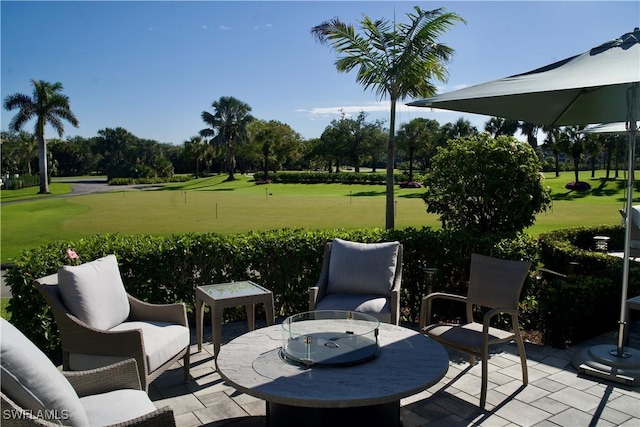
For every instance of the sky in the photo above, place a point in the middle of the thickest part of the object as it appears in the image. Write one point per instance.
(153, 67)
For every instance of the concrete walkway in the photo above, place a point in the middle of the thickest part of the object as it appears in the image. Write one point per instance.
(556, 395)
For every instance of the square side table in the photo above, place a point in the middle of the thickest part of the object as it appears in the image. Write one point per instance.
(221, 295)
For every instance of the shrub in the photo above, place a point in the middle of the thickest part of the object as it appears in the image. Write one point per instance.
(288, 262)
(483, 184)
(586, 302)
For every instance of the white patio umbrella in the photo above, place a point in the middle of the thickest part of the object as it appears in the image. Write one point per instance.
(597, 86)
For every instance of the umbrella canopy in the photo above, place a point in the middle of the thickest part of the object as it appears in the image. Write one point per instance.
(586, 88)
(619, 127)
(598, 86)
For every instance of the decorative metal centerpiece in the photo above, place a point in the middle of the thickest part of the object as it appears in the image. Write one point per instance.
(330, 338)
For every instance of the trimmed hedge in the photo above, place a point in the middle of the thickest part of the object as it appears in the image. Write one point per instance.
(331, 178)
(288, 262)
(587, 302)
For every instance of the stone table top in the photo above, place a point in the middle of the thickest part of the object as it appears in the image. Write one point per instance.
(408, 363)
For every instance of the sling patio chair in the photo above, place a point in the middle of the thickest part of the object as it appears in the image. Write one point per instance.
(494, 284)
(35, 393)
(101, 324)
(362, 277)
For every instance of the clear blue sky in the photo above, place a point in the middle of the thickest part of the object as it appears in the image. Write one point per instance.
(152, 67)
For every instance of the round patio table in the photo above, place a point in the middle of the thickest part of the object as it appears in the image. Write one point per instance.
(364, 394)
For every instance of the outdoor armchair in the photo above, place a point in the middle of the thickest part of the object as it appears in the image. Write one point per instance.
(100, 323)
(363, 277)
(494, 284)
(36, 393)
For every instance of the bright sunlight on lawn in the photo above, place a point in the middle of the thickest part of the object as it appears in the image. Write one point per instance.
(211, 205)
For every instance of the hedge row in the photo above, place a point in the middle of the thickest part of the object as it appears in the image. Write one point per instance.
(330, 178)
(288, 262)
(588, 301)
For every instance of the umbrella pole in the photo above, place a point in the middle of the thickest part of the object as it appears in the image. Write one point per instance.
(602, 361)
(619, 351)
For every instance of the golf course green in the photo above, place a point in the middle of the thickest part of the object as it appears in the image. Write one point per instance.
(213, 205)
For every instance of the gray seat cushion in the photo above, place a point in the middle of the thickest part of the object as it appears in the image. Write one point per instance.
(362, 268)
(130, 403)
(32, 381)
(94, 292)
(374, 305)
(162, 340)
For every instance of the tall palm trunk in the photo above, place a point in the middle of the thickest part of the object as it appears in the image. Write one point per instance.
(231, 161)
(390, 211)
(42, 160)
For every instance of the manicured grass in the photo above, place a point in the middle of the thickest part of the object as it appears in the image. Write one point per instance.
(211, 205)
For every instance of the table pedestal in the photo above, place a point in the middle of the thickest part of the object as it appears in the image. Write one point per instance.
(382, 415)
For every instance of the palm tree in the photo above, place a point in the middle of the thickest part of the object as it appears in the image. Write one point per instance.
(497, 126)
(48, 106)
(530, 130)
(397, 60)
(228, 126)
(195, 148)
(416, 135)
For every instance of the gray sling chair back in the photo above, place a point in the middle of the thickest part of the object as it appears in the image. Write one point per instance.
(101, 324)
(495, 284)
(362, 277)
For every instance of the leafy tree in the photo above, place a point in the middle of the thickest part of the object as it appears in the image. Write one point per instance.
(228, 126)
(461, 128)
(530, 130)
(47, 105)
(126, 156)
(497, 126)
(275, 144)
(593, 147)
(73, 156)
(398, 60)
(415, 136)
(195, 149)
(555, 143)
(484, 185)
(576, 143)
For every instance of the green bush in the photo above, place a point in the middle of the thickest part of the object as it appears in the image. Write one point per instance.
(328, 178)
(587, 302)
(288, 262)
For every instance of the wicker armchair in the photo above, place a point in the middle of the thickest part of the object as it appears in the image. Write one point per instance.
(494, 284)
(363, 277)
(110, 395)
(155, 335)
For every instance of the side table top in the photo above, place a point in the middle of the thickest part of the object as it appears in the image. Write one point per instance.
(228, 290)
(408, 363)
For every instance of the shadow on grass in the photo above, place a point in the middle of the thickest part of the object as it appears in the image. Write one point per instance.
(606, 188)
(367, 194)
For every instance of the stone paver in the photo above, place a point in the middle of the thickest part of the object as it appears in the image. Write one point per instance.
(556, 395)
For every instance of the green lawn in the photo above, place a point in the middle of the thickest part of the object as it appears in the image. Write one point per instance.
(211, 205)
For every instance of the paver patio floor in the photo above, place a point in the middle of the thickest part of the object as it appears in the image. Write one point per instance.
(556, 395)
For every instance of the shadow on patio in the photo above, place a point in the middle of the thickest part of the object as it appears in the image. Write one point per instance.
(556, 394)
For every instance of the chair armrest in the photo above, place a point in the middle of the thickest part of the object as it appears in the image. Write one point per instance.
(162, 417)
(16, 416)
(172, 313)
(425, 312)
(313, 297)
(118, 376)
(486, 319)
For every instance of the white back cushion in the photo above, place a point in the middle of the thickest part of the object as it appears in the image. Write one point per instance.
(94, 292)
(362, 268)
(32, 381)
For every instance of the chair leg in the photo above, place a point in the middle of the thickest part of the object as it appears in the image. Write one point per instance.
(186, 362)
(523, 359)
(485, 372)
